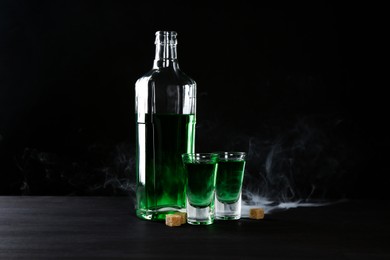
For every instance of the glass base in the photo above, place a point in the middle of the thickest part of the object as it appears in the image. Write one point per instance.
(228, 211)
(200, 216)
(156, 215)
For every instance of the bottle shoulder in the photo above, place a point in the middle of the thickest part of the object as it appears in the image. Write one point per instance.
(166, 76)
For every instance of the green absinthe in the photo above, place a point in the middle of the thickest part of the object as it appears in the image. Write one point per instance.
(162, 139)
(229, 180)
(201, 183)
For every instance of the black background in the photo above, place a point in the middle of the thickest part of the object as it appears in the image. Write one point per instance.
(296, 86)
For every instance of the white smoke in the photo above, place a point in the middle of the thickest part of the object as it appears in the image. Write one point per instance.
(256, 201)
(106, 171)
(297, 167)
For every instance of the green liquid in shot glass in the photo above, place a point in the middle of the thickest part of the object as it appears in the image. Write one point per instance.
(201, 179)
(229, 180)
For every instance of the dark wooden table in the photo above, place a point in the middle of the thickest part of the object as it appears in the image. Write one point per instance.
(106, 228)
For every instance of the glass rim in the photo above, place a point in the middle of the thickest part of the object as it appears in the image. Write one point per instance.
(200, 156)
(230, 152)
(198, 153)
(231, 155)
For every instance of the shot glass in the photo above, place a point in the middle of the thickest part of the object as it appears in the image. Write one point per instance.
(230, 175)
(200, 171)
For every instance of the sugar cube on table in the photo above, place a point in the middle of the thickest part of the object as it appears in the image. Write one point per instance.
(173, 220)
(256, 213)
(183, 216)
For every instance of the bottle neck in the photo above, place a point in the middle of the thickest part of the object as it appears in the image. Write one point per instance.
(166, 51)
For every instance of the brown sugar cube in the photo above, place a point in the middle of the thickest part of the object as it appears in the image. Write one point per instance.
(183, 216)
(256, 213)
(173, 220)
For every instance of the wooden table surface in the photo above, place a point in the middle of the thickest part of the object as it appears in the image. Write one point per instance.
(106, 228)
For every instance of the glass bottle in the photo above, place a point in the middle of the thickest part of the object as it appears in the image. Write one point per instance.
(165, 105)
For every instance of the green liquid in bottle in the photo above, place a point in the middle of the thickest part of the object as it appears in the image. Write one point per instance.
(161, 179)
(229, 180)
(201, 183)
